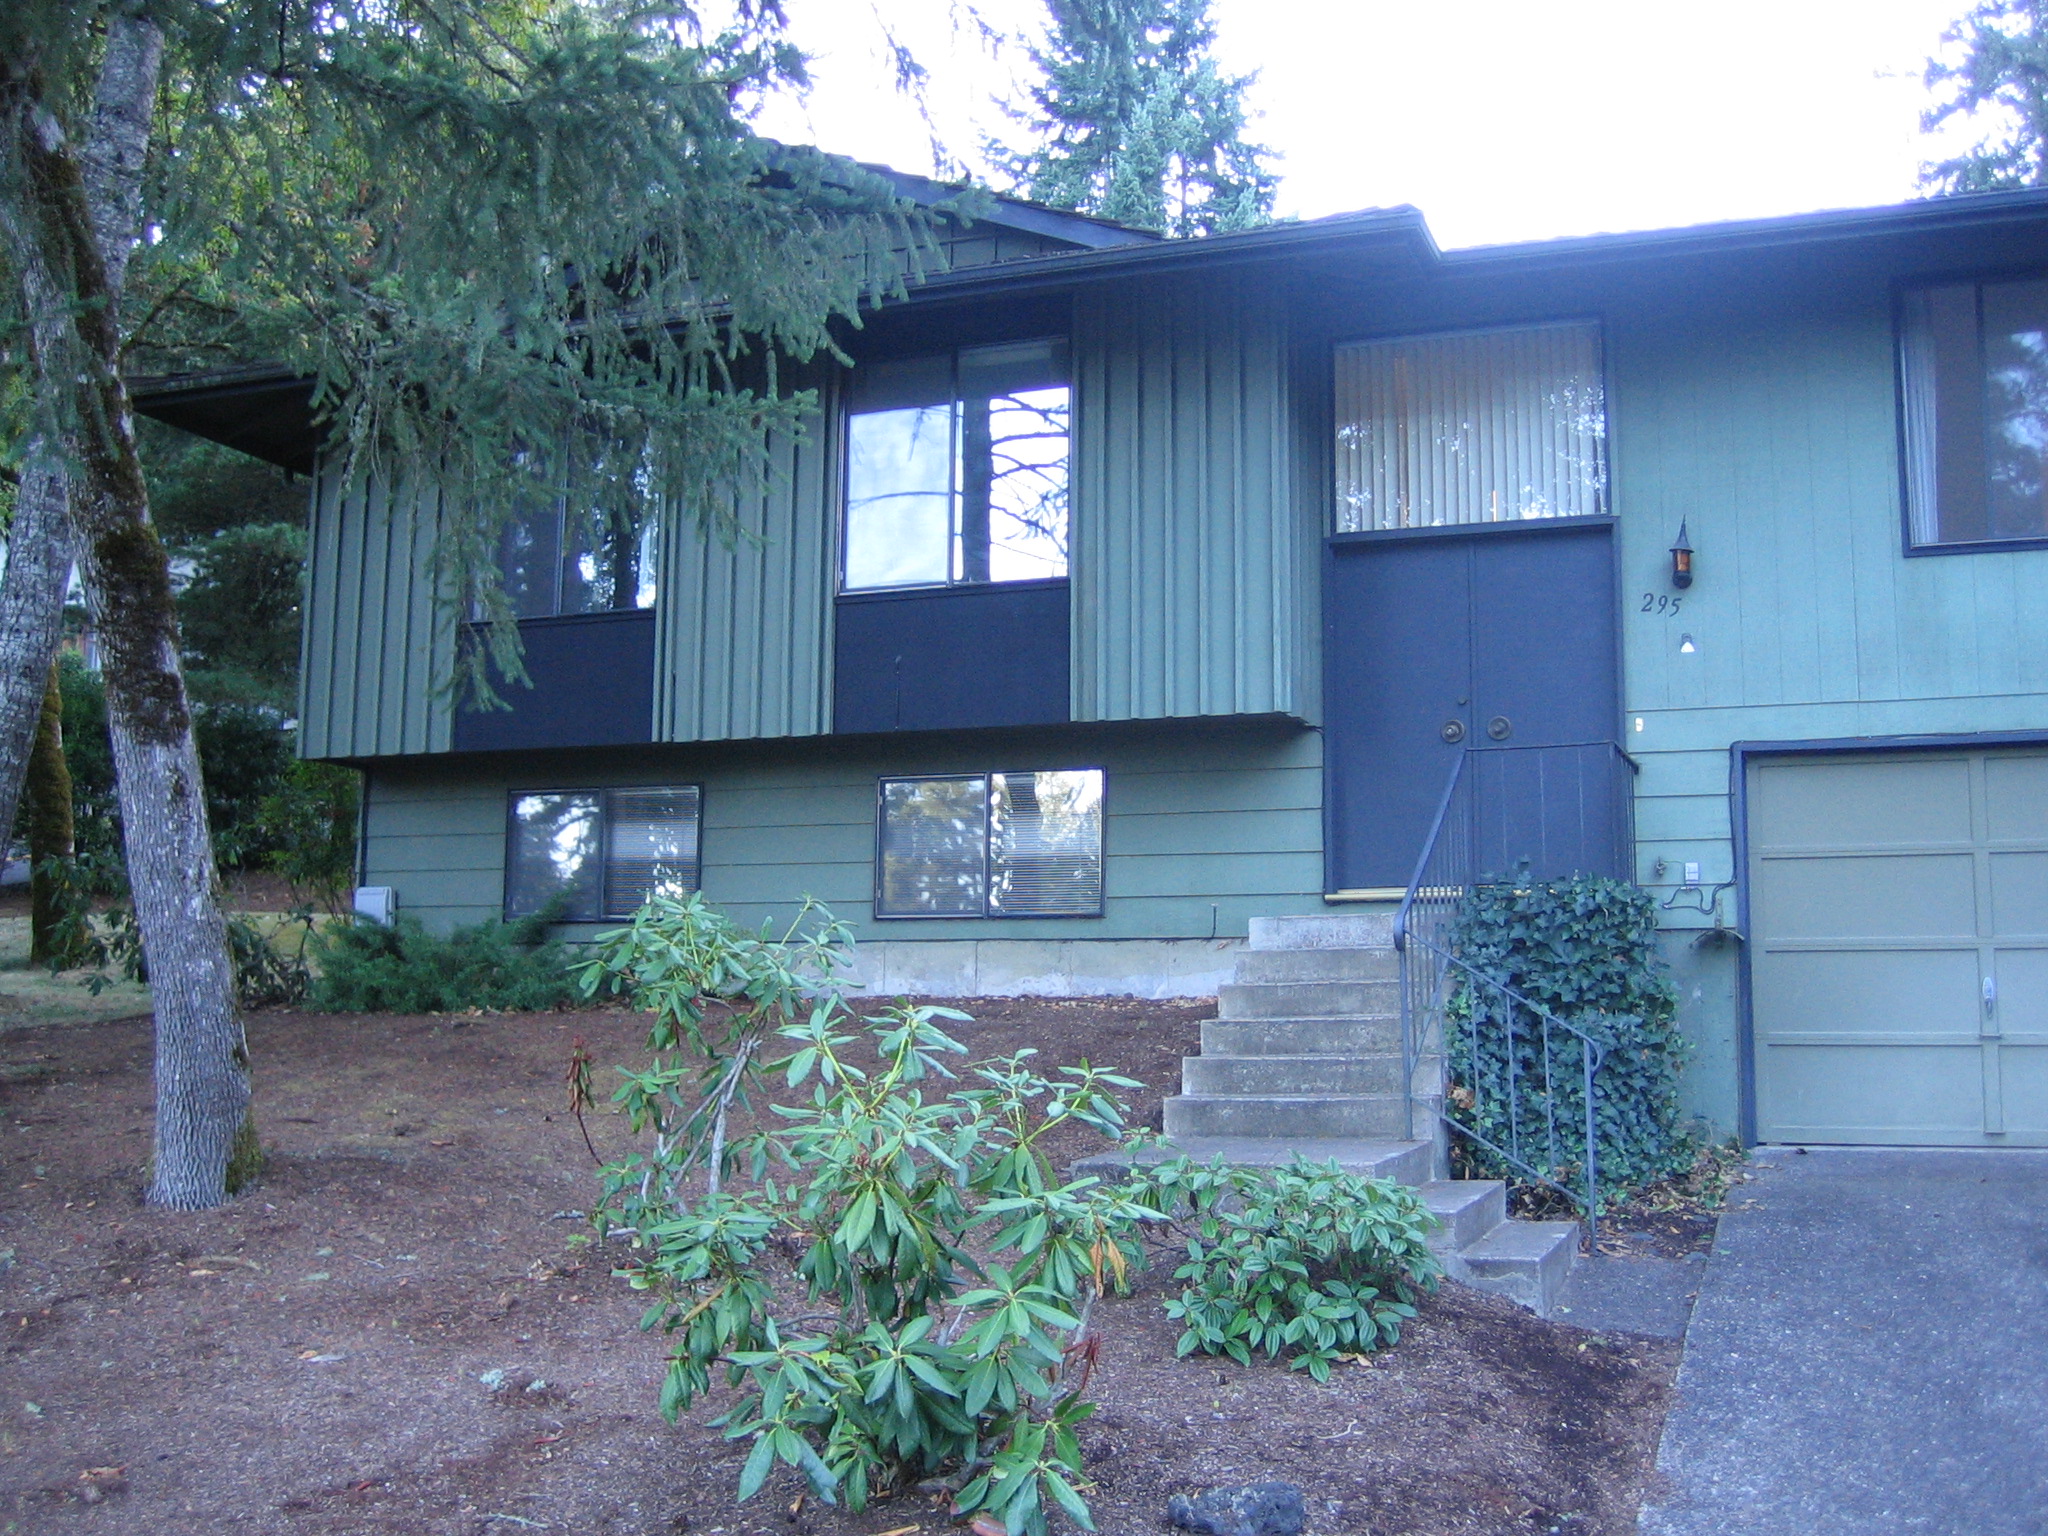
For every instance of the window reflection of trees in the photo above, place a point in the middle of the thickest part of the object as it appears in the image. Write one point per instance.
(1029, 436)
(934, 843)
(1004, 845)
(2017, 369)
(555, 848)
(1045, 843)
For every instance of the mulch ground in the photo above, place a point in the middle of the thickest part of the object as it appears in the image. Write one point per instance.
(322, 1356)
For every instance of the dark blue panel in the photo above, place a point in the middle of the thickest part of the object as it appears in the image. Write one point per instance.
(951, 658)
(1448, 640)
(593, 686)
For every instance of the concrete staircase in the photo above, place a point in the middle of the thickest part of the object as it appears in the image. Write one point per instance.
(1304, 1056)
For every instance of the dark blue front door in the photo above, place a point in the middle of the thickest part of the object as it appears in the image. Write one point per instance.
(1501, 639)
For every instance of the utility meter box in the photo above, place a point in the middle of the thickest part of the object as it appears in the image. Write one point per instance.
(379, 903)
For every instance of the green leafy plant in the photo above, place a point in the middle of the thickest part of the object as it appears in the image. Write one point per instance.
(1304, 1260)
(309, 822)
(902, 1288)
(1585, 949)
(366, 967)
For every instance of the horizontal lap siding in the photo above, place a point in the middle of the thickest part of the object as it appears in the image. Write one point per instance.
(1193, 561)
(1201, 835)
(376, 649)
(743, 631)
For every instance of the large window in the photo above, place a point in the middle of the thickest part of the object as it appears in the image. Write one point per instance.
(1973, 359)
(991, 845)
(1471, 427)
(600, 852)
(577, 560)
(956, 468)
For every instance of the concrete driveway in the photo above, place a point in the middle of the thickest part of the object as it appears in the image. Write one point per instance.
(1869, 1352)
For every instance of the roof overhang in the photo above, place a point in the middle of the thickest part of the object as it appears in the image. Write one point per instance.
(267, 412)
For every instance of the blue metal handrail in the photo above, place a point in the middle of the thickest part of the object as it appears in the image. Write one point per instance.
(1434, 978)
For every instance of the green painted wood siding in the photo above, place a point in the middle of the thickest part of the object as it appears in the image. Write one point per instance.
(1774, 432)
(1204, 829)
(1193, 559)
(374, 650)
(743, 631)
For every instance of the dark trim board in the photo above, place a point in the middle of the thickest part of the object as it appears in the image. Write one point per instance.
(1739, 755)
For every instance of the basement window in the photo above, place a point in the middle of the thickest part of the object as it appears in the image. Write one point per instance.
(991, 845)
(1973, 366)
(956, 468)
(1471, 427)
(600, 853)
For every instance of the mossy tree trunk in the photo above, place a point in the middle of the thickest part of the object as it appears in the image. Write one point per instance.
(31, 613)
(47, 801)
(72, 224)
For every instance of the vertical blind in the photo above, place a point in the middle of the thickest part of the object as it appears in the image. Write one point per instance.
(1471, 427)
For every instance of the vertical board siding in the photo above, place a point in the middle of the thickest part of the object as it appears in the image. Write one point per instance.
(376, 649)
(743, 631)
(1191, 548)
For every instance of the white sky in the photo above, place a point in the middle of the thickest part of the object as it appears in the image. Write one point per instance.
(1500, 119)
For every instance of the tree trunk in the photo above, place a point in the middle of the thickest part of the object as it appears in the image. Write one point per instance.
(31, 614)
(73, 234)
(47, 798)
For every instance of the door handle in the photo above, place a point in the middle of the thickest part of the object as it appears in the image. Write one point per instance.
(1500, 727)
(1453, 731)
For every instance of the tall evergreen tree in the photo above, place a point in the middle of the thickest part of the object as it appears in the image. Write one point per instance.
(2001, 73)
(514, 242)
(1134, 121)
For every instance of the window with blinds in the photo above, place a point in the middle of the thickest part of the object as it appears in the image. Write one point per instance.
(600, 853)
(991, 845)
(1471, 427)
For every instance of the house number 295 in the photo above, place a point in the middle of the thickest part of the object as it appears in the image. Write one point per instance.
(1660, 602)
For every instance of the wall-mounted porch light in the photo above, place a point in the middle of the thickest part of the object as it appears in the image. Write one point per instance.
(1681, 559)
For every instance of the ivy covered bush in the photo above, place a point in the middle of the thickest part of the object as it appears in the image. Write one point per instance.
(900, 1288)
(1303, 1260)
(1584, 948)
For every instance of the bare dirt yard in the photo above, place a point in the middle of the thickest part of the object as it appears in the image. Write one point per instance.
(393, 1332)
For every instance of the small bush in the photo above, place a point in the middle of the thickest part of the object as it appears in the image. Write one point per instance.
(366, 967)
(1584, 948)
(901, 1292)
(1304, 1260)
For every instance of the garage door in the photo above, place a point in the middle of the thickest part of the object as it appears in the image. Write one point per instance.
(1899, 947)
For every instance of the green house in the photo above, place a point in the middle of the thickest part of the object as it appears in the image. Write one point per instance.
(1125, 591)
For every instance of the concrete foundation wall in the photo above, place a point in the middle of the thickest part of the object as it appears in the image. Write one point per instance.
(1042, 968)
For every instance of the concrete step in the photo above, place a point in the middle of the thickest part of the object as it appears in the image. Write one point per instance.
(1301, 1037)
(1340, 930)
(1366, 1117)
(1468, 1208)
(1527, 1261)
(1308, 999)
(1267, 965)
(1406, 1162)
(1290, 1074)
